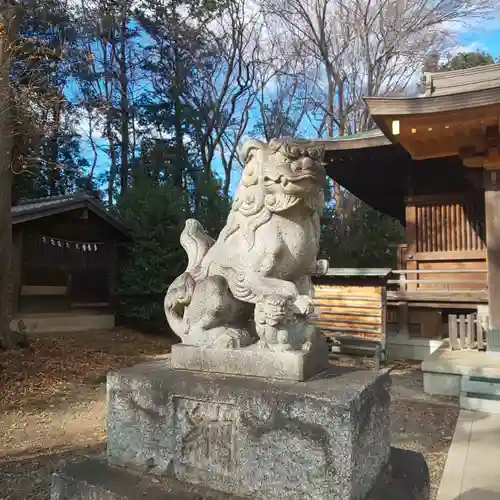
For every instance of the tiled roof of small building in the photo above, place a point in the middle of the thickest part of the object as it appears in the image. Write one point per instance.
(36, 204)
(29, 209)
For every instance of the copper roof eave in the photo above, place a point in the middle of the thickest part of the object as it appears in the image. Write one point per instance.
(387, 106)
(374, 173)
(353, 143)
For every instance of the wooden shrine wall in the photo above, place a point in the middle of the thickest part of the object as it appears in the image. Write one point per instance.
(446, 233)
(70, 256)
(449, 224)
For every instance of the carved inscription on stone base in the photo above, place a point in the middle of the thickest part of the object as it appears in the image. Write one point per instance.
(206, 435)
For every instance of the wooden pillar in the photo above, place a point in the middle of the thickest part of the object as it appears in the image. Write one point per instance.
(403, 323)
(492, 224)
(411, 236)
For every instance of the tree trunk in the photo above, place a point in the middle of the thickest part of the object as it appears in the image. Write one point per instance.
(107, 62)
(330, 106)
(52, 155)
(112, 156)
(227, 180)
(124, 108)
(7, 337)
(9, 16)
(338, 195)
(178, 118)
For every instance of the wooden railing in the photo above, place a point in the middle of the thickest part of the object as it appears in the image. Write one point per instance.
(425, 281)
(467, 331)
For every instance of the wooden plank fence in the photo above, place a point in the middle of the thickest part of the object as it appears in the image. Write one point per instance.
(356, 311)
(467, 331)
(352, 317)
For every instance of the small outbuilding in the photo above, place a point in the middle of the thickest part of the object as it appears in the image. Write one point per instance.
(64, 263)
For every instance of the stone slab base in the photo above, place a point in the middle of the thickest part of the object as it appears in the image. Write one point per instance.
(480, 394)
(462, 362)
(252, 361)
(481, 386)
(402, 347)
(64, 322)
(94, 479)
(479, 404)
(323, 439)
(442, 384)
(406, 476)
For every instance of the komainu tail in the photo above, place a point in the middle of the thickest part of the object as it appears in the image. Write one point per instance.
(196, 243)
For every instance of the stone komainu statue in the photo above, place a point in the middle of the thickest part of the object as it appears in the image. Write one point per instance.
(253, 283)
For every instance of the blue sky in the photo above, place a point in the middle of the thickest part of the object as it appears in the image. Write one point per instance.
(486, 39)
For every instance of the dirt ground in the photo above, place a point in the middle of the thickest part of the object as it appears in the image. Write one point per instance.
(52, 406)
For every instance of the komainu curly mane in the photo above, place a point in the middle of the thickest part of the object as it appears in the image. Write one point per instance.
(251, 200)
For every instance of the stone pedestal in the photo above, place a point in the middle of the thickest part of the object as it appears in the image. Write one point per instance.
(252, 361)
(324, 439)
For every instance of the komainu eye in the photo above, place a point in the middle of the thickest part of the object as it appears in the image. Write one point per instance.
(292, 152)
(315, 154)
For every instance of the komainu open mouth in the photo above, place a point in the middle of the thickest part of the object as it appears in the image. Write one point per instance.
(283, 180)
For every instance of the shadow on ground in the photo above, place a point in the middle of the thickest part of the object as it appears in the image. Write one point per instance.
(28, 477)
(406, 477)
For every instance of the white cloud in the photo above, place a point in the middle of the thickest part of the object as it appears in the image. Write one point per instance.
(471, 47)
(83, 128)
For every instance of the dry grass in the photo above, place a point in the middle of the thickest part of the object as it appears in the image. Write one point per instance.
(52, 406)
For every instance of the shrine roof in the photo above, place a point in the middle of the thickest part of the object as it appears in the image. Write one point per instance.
(374, 166)
(30, 209)
(363, 140)
(441, 92)
(370, 167)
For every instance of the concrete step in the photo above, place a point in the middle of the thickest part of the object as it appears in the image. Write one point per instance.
(473, 376)
(64, 322)
(480, 393)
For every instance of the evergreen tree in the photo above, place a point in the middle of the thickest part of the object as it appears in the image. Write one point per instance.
(154, 212)
(366, 238)
(465, 60)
